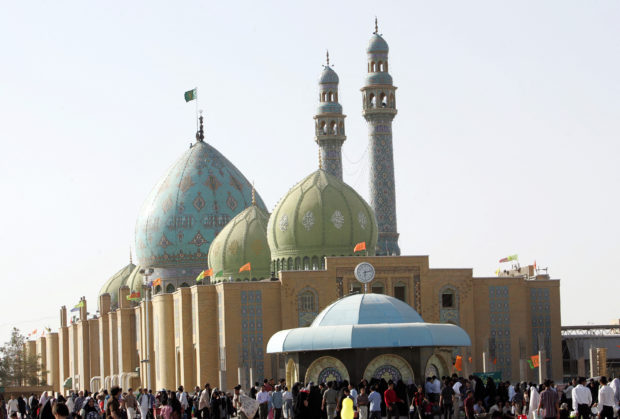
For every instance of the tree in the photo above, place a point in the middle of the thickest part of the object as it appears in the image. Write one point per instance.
(17, 365)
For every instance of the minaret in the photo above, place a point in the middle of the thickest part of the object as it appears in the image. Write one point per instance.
(379, 111)
(329, 122)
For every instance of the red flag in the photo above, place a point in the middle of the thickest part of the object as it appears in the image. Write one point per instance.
(458, 364)
(535, 360)
(359, 247)
(495, 360)
(246, 267)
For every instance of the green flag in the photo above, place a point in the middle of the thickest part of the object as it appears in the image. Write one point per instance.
(191, 95)
(220, 273)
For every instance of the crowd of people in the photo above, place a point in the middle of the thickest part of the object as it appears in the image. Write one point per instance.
(449, 398)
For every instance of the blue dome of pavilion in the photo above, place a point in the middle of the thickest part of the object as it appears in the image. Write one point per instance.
(367, 321)
(377, 44)
(367, 309)
(191, 204)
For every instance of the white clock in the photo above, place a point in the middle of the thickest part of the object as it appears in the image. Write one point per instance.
(364, 272)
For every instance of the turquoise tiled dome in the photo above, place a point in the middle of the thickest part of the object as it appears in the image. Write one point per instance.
(378, 78)
(193, 202)
(328, 76)
(377, 44)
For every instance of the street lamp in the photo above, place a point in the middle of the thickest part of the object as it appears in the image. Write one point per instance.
(147, 289)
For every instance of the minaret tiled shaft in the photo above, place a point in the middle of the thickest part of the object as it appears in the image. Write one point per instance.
(329, 122)
(379, 110)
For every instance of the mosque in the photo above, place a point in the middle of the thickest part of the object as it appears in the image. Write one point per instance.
(299, 271)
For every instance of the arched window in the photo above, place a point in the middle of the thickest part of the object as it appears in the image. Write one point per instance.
(297, 263)
(385, 66)
(307, 306)
(323, 97)
(449, 305)
(315, 263)
(323, 262)
(278, 266)
(184, 285)
(170, 288)
(383, 100)
(289, 264)
(306, 263)
(380, 65)
(372, 100)
(400, 291)
(378, 288)
(373, 67)
(323, 128)
(333, 128)
(392, 104)
(341, 128)
(158, 289)
(331, 96)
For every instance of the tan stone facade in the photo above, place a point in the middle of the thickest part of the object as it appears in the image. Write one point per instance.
(218, 333)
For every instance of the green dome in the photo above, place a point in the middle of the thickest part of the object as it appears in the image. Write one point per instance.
(129, 275)
(320, 216)
(242, 240)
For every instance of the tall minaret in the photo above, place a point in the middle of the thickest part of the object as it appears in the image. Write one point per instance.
(379, 111)
(329, 122)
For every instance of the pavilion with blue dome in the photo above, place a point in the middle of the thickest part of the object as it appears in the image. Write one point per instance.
(366, 336)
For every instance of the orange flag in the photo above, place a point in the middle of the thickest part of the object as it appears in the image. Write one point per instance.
(458, 364)
(157, 282)
(469, 359)
(535, 360)
(359, 247)
(495, 360)
(246, 267)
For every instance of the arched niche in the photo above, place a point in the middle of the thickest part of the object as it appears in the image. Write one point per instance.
(292, 374)
(436, 365)
(391, 367)
(325, 369)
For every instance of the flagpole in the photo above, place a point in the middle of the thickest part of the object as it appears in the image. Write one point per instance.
(197, 123)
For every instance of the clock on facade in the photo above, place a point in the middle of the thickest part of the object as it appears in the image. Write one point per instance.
(364, 272)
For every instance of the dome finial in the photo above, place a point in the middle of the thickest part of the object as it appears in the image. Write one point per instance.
(376, 26)
(130, 256)
(327, 56)
(200, 135)
(253, 195)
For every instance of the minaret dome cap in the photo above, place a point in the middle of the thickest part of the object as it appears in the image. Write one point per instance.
(377, 44)
(328, 76)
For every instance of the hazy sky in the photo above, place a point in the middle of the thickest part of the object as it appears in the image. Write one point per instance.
(506, 140)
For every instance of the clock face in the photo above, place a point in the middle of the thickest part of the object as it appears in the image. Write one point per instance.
(364, 272)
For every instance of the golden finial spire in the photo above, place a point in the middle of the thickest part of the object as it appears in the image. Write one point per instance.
(320, 160)
(130, 256)
(200, 135)
(376, 26)
(253, 195)
(327, 58)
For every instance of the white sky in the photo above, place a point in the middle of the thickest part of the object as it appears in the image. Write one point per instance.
(506, 141)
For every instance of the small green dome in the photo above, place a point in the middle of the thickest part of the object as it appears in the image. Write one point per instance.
(243, 240)
(320, 216)
(129, 275)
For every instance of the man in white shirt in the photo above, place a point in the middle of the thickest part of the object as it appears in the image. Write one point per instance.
(606, 400)
(511, 391)
(262, 397)
(457, 394)
(182, 396)
(353, 393)
(12, 406)
(568, 392)
(582, 399)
